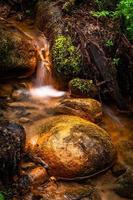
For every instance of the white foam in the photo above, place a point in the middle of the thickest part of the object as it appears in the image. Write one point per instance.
(46, 92)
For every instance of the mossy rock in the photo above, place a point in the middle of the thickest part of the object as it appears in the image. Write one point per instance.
(49, 18)
(85, 108)
(12, 142)
(83, 88)
(18, 55)
(124, 185)
(72, 147)
(66, 57)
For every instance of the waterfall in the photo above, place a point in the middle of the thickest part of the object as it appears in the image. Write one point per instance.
(43, 83)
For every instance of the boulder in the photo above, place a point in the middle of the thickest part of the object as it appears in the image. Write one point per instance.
(125, 149)
(83, 88)
(12, 141)
(124, 185)
(18, 53)
(72, 147)
(85, 108)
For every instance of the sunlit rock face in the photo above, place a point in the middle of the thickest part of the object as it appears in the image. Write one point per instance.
(73, 147)
(18, 54)
(86, 108)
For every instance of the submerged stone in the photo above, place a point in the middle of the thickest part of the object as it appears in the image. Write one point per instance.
(85, 108)
(72, 147)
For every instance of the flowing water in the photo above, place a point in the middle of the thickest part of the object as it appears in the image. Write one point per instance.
(43, 84)
(42, 97)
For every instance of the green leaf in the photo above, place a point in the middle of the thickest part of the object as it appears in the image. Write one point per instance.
(2, 196)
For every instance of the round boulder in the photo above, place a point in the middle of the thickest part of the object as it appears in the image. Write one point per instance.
(72, 147)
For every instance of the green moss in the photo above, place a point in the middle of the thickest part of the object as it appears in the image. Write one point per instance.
(10, 55)
(66, 57)
(2, 197)
(125, 10)
(6, 46)
(82, 86)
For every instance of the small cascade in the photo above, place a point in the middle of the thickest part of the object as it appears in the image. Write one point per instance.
(43, 73)
(43, 84)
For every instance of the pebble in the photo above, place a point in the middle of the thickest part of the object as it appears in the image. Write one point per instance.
(24, 120)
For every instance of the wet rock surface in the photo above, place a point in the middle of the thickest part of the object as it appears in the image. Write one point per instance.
(73, 147)
(125, 149)
(63, 191)
(85, 108)
(124, 185)
(118, 169)
(18, 56)
(12, 141)
(36, 111)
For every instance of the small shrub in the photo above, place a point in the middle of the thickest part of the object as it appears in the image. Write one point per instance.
(125, 9)
(83, 87)
(66, 57)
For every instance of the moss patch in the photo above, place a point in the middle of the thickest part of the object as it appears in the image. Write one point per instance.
(66, 57)
(83, 87)
(6, 46)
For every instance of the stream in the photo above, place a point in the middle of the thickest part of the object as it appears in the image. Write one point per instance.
(34, 100)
